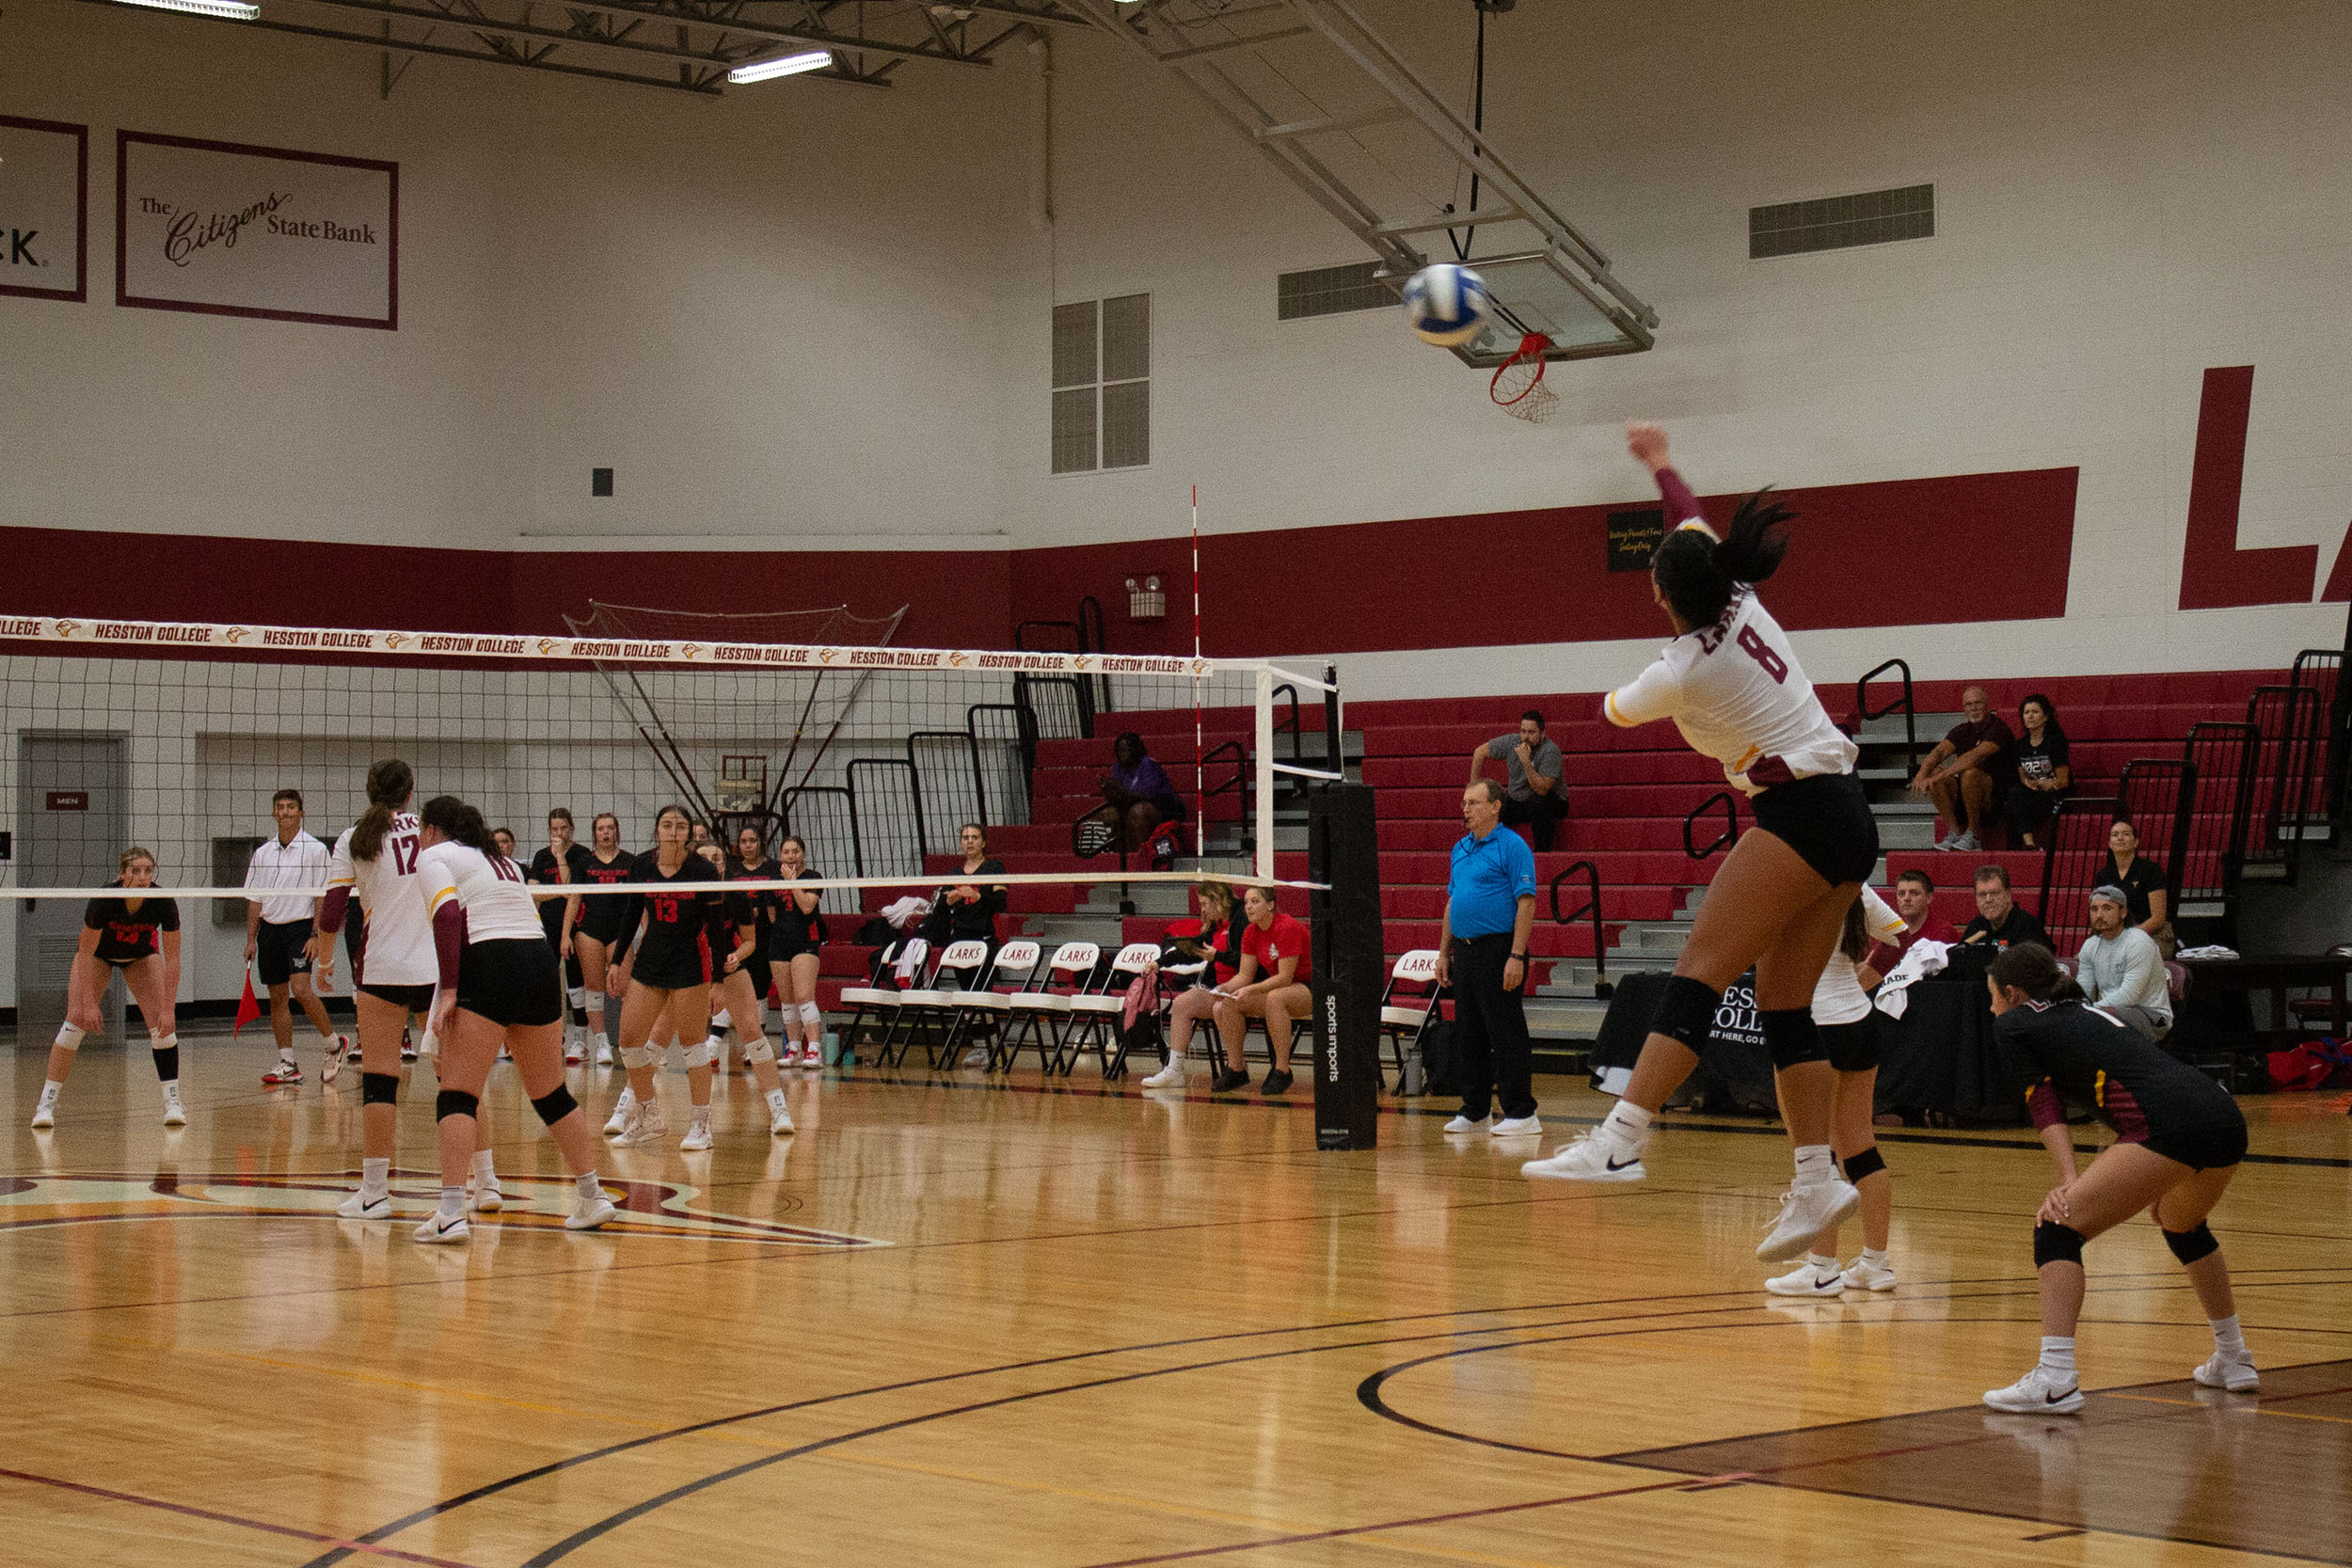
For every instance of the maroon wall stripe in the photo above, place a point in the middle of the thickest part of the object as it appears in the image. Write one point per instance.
(1856, 559)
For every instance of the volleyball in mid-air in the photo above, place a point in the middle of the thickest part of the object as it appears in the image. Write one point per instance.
(1447, 305)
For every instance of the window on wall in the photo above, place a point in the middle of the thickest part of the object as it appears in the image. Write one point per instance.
(1102, 384)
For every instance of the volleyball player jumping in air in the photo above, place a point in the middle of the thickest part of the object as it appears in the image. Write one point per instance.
(1731, 683)
(668, 974)
(603, 923)
(500, 984)
(393, 972)
(142, 938)
(2178, 1140)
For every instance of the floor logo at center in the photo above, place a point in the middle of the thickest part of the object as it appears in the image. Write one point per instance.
(662, 1208)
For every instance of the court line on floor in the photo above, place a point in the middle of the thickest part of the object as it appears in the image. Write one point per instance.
(215, 1516)
(538, 1472)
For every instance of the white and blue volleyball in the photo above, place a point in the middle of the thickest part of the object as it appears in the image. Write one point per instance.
(1447, 305)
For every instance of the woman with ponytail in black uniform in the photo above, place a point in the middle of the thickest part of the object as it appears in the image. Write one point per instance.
(668, 974)
(139, 936)
(2178, 1140)
(732, 994)
(563, 863)
(796, 949)
(1731, 683)
(750, 863)
(599, 938)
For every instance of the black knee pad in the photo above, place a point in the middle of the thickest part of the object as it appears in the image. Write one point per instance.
(555, 1105)
(1869, 1162)
(2057, 1244)
(456, 1102)
(2189, 1245)
(1791, 1037)
(1686, 1012)
(379, 1088)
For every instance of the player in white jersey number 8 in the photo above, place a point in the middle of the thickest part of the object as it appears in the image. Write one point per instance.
(500, 982)
(1731, 683)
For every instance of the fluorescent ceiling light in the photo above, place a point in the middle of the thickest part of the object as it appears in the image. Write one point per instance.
(783, 65)
(227, 11)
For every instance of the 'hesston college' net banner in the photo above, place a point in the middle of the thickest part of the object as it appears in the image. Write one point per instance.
(436, 644)
(237, 231)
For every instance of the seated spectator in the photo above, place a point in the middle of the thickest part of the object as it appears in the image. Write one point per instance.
(1967, 774)
(2000, 922)
(1271, 984)
(1217, 938)
(1915, 900)
(1534, 793)
(2119, 970)
(2142, 881)
(2044, 778)
(1137, 797)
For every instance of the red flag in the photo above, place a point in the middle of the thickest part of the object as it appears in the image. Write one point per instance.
(248, 1007)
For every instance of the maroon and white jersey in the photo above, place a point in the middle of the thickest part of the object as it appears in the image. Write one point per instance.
(1736, 691)
(399, 948)
(490, 888)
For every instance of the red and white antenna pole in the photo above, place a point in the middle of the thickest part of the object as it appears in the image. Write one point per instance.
(1199, 766)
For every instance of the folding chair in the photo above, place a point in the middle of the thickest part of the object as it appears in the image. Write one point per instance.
(872, 1000)
(1016, 961)
(1092, 1014)
(1401, 1023)
(926, 1006)
(1037, 1013)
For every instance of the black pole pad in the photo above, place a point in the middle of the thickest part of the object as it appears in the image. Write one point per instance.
(1343, 851)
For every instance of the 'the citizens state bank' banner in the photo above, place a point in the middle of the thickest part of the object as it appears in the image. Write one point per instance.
(45, 208)
(255, 232)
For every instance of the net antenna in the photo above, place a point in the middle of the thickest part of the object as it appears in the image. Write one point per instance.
(1518, 387)
(666, 711)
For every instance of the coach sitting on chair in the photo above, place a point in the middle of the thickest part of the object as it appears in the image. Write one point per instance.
(1271, 985)
(1534, 795)
(1482, 952)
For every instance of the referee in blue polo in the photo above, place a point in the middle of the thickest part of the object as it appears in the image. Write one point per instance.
(1481, 953)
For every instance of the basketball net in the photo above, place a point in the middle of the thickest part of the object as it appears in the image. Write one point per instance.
(1519, 387)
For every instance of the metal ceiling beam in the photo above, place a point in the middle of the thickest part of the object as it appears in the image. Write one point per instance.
(707, 86)
(817, 37)
(476, 21)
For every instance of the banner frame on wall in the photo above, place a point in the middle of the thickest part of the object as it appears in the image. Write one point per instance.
(126, 139)
(80, 291)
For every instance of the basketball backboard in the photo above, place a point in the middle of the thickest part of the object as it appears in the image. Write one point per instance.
(1534, 293)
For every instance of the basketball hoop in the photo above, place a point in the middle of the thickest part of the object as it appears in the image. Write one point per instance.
(1519, 387)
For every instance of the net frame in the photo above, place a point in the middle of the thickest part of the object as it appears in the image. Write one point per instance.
(1517, 384)
(103, 638)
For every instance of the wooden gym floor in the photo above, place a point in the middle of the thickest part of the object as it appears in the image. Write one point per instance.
(987, 1323)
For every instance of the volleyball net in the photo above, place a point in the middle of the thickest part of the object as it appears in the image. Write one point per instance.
(174, 736)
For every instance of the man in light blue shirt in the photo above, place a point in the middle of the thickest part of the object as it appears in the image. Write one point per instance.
(2122, 969)
(1482, 952)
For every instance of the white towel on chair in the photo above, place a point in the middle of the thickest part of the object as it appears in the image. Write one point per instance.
(902, 914)
(911, 960)
(1925, 959)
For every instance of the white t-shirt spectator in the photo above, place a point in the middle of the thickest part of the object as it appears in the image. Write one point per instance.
(2125, 969)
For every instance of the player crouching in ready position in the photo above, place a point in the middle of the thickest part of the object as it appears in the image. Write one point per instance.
(1732, 685)
(501, 982)
(2178, 1140)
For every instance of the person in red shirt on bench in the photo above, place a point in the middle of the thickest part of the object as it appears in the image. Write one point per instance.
(1271, 985)
(1915, 900)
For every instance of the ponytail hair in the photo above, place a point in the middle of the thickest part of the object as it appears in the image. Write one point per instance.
(458, 822)
(1698, 573)
(2031, 968)
(389, 784)
(1854, 938)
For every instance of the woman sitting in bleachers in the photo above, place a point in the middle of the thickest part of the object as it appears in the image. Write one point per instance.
(2043, 776)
